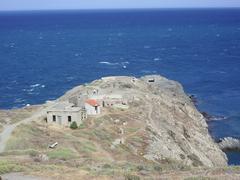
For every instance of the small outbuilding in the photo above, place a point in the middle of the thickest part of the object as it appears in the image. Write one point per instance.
(113, 99)
(92, 107)
(64, 113)
(151, 80)
(109, 100)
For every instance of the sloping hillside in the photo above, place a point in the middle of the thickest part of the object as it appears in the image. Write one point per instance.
(159, 131)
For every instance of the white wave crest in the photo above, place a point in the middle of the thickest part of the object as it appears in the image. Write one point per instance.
(108, 63)
(122, 64)
(34, 85)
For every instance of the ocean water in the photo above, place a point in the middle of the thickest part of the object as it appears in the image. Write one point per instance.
(44, 54)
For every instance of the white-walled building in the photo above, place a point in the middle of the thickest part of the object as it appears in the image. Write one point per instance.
(64, 113)
(92, 107)
(108, 100)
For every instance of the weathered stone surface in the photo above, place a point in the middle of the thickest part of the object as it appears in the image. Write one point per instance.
(229, 143)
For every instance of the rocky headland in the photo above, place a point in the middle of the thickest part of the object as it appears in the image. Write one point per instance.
(173, 126)
(160, 130)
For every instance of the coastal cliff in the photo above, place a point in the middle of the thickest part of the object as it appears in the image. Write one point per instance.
(157, 129)
(170, 123)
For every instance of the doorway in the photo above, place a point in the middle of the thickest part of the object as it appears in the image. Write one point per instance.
(59, 120)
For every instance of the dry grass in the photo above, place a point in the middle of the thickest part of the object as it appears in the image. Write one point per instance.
(85, 153)
(16, 115)
(90, 169)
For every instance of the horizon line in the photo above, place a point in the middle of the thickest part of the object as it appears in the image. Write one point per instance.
(113, 9)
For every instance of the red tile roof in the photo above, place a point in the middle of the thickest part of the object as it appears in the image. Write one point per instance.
(92, 102)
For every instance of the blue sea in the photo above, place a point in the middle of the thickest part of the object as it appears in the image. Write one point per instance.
(45, 53)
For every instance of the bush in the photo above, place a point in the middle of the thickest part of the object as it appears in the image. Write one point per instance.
(131, 177)
(157, 168)
(74, 125)
(106, 166)
(140, 168)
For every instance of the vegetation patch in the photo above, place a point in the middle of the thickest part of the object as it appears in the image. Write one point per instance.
(27, 137)
(85, 147)
(16, 115)
(63, 154)
(82, 126)
(99, 121)
(107, 166)
(157, 168)
(199, 178)
(171, 164)
(74, 125)
(30, 152)
(131, 177)
(103, 135)
(82, 133)
(7, 167)
(132, 130)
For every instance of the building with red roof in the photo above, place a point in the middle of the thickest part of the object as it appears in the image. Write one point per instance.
(92, 107)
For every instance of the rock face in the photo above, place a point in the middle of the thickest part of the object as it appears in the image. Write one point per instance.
(229, 143)
(172, 126)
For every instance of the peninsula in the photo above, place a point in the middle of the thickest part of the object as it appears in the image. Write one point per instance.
(121, 128)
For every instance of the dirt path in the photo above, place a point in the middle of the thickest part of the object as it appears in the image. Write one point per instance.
(21, 176)
(150, 121)
(9, 128)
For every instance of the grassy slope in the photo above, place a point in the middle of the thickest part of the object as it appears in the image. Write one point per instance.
(86, 152)
(15, 115)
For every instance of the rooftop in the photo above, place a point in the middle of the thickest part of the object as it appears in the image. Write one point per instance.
(107, 96)
(92, 102)
(65, 106)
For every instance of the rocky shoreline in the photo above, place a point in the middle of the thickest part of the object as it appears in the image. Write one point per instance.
(161, 127)
(229, 144)
(175, 128)
(207, 116)
(176, 125)
(226, 144)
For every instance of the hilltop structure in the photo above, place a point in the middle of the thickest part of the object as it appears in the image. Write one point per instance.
(85, 103)
(92, 107)
(170, 123)
(64, 113)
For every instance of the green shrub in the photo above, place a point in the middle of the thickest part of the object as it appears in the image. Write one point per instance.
(157, 168)
(131, 177)
(140, 168)
(74, 125)
(106, 166)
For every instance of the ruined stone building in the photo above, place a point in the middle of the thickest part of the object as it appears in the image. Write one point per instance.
(64, 113)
